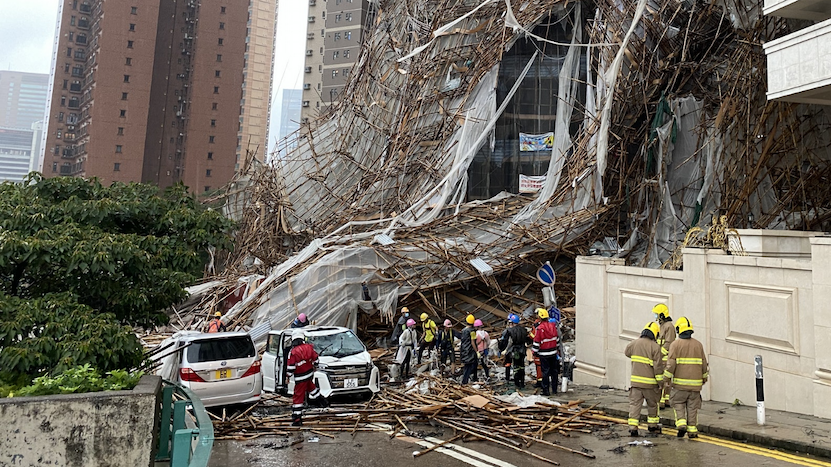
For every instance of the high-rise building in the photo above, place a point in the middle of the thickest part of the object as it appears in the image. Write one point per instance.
(313, 64)
(23, 98)
(289, 118)
(152, 91)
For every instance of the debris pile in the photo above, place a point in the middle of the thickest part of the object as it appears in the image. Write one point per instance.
(428, 402)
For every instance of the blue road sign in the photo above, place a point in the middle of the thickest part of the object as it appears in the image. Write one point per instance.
(545, 274)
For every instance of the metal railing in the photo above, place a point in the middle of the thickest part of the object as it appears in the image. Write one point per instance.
(183, 446)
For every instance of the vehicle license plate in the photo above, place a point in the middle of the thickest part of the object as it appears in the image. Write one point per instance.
(350, 383)
(223, 374)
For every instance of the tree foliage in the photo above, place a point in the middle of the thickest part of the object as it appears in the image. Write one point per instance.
(126, 249)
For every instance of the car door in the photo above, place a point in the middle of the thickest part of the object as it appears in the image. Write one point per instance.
(270, 362)
(284, 344)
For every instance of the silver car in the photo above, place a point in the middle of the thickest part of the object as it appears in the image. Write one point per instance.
(221, 368)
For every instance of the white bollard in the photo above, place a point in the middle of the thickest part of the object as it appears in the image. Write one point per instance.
(760, 392)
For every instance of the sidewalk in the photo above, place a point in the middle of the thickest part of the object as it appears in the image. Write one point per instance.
(784, 430)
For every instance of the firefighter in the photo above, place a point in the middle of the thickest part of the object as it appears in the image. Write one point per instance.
(546, 342)
(428, 336)
(216, 324)
(686, 372)
(646, 378)
(303, 361)
(667, 335)
(515, 343)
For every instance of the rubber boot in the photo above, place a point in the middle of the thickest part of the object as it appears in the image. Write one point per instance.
(296, 420)
(682, 430)
(655, 429)
(633, 432)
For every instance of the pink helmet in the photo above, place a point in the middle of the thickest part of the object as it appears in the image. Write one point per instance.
(302, 316)
(478, 323)
(448, 324)
(410, 323)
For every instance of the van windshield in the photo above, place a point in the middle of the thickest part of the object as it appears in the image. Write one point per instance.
(228, 348)
(337, 345)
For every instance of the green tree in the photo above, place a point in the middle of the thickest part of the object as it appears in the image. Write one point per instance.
(126, 249)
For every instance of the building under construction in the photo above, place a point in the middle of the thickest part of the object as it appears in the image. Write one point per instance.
(478, 139)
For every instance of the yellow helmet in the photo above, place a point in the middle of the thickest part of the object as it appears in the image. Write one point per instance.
(218, 314)
(542, 313)
(470, 319)
(661, 310)
(405, 310)
(653, 327)
(683, 324)
(423, 316)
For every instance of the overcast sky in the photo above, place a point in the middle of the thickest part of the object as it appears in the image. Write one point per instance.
(27, 32)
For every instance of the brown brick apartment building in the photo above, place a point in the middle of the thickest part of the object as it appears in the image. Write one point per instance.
(149, 91)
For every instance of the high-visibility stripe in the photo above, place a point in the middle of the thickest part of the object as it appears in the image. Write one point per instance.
(643, 380)
(304, 377)
(664, 351)
(548, 340)
(640, 359)
(692, 429)
(681, 422)
(688, 361)
(665, 358)
(706, 375)
(633, 422)
(688, 382)
(667, 374)
(659, 377)
(653, 420)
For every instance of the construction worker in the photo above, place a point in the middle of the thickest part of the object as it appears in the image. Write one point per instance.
(216, 324)
(302, 362)
(546, 340)
(300, 321)
(483, 342)
(428, 336)
(646, 378)
(515, 341)
(537, 364)
(444, 342)
(406, 342)
(686, 372)
(467, 349)
(401, 325)
(667, 335)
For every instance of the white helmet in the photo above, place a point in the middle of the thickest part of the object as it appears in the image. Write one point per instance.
(298, 335)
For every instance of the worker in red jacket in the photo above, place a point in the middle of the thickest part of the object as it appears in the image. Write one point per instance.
(302, 363)
(545, 345)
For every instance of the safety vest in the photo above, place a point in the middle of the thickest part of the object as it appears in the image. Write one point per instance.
(215, 325)
(430, 329)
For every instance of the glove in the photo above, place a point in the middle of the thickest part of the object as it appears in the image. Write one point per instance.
(479, 355)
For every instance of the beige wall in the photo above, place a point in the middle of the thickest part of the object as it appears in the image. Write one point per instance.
(740, 306)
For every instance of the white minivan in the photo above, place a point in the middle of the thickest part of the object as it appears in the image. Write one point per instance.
(345, 365)
(221, 368)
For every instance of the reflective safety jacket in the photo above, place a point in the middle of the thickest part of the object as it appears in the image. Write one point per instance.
(430, 329)
(666, 337)
(546, 339)
(646, 358)
(686, 365)
(302, 361)
(216, 325)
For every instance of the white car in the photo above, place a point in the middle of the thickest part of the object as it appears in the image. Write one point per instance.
(345, 365)
(221, 368)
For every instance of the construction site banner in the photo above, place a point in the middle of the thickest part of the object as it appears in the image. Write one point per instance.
(543, 142)
(531, 183)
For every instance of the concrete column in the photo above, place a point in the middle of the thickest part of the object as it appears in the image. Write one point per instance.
(821, 274)
(695, 304)
(591, 307)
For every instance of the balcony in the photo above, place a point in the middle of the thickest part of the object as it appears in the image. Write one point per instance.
(75, 87)
(81, 39)
(799, 65)
(813, 10)
(74, 103)
(85, 8)
(83, 24)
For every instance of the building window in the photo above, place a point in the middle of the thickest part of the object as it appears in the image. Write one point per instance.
(348, 35)
(207, 188)
(222, 9)
(59, 133)
(348, 16)
(72, 21)
(334, 73)
(216, 89)
(128, 61)
(66, 68)
(220, 40)
(221, 25)
(65, 83)
(208, 172)
(133, 10)
(218, 57)
(118, 148)
(63, 101)
(337, 36)
(337, 18)
(126, 78)
(213, 122)
(322, 33)
(210, 156)
(211, 139)
(132, 27)
(335, 55)
(120, 131)
(214, 106)
(345, 54)
(124, 96)
(129, 44)
(60, 116)
(117, 167)
(69, 51)
(123, 113)
(54, 167)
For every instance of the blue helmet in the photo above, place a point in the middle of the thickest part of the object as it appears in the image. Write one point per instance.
(513, 318)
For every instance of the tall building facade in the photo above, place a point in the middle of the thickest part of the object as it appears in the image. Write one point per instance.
(313, 64)
(289, 118)
(149, 91)
(23, 99)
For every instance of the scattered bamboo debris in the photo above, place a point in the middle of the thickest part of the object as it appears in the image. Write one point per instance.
(471, 414)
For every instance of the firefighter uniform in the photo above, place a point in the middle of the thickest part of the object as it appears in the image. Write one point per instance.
(646, 378)
(302, 362)
(545, 345)
(667, 336)
(686, 371)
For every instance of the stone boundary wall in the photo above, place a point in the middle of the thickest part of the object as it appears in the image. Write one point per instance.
(740, 306)
(110, 428)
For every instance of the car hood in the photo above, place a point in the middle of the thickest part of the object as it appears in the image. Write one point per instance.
(357, 359)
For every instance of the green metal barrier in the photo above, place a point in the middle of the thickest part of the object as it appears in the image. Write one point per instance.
(176, 440)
